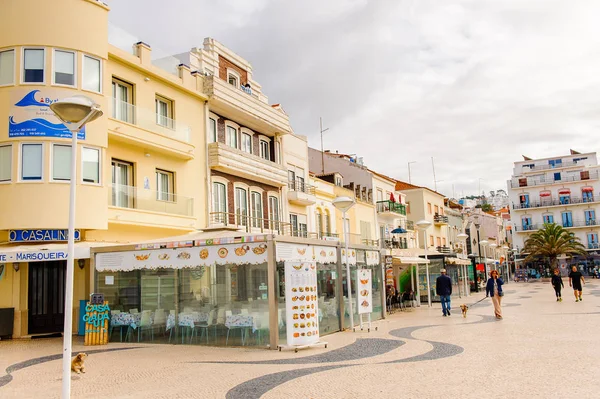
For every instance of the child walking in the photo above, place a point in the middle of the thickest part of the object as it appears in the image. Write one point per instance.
(557, 283)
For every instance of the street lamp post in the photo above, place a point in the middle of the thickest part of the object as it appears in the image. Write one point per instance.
(423, 225)
(477, 225)
(463, 239)
(506, 250)
(484, 243)
(74, 112)
(493, 246)
(344, 204)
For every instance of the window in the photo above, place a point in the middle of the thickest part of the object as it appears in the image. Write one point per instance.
(526, 223)
(165, 187)
(92, 76)
(32, 160)
(7, 67)
(408, 207)
(274, 212)
(587, 194)
(592, 240)
(247, 143)
(33, 65)
(444, 241)
(257, 209)
(90, 158)
(319, 219)
(438, 240)
(429, 208)
(122, 94)
(524, 200)
(232, 80)
(431, 241)
(338, 181)
(122, 181)
(212, 130)
(5, 163)
(241, 206)
(557, 176)
(567, 219)
(590, 217)
(298, 223)
(61, 162)
(379, 195)
(232, 137)
(327, 222)
(164, 112)
(64, 68)
(564, 197)
(264, 150)
(291, 179)
(548, 219)
(220, 201)
(436, 209)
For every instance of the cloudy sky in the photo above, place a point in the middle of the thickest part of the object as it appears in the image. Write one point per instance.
(473, 83)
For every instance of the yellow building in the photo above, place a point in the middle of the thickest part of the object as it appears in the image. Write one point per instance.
(142, 170)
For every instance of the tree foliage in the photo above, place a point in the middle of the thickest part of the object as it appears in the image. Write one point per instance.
(550, 242)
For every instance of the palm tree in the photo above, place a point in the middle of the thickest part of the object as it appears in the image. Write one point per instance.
(550, 242)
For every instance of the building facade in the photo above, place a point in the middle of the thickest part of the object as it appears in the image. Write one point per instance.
(562, 190)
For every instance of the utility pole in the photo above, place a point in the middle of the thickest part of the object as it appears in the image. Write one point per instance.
(409, 179)
(434, 180)
(322, 149)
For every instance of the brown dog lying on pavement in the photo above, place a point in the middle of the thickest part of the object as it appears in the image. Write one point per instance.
(77, 364)
(464, 309)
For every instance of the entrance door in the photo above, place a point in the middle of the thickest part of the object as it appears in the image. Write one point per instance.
(46, 297)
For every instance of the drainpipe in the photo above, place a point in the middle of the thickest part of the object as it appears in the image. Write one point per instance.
(208, 196)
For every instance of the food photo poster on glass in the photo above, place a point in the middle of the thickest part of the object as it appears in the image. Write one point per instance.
(301, 298)
(365, 291)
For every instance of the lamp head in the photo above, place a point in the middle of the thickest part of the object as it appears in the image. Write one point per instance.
(493, 245)
(484, 242)
(343, 203)
(462, 236)
(76, 109)
(423, 224)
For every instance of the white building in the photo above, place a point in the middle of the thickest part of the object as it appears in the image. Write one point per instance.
(564, 190)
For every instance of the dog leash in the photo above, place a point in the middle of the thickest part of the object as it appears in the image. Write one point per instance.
(485, 297)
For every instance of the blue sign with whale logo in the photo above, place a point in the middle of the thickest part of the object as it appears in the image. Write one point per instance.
(32, 117)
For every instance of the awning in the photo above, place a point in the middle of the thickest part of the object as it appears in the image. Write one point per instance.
(410, 260)
(564, 191)
(457, 261)
(47, 252)
(588, 189)
(545, 194)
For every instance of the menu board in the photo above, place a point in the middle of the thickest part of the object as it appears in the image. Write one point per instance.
(301, 299)
(365, 291)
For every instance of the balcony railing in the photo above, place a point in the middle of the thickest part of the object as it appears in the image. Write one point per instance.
(248, 223)
(440, 219)
(149, 120)
(443, 249)
(150, 200)
(545, 180)
(548, 166)
(593, 245)
(555, 202)
(389, 206)
(393, 243)
(357, 239)
(575, 223)
(301, 186)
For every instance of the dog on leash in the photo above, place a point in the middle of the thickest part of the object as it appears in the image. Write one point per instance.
(77, 364)
(464, 309)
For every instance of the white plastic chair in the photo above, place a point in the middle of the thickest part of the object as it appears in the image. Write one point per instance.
(244, 311)
(134, 311)
(146, 324)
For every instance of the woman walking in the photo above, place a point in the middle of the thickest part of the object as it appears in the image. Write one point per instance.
(494, 290)
(557, 283)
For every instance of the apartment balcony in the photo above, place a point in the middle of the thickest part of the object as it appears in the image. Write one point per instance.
(537, 168)
(556, 202)
(301, 193)
(357, 239)
(440, 220)
(390, 242)
(593, 245)
(133, 205)
(548, 180)
(245, 107)
(443, 249)
(391, 209)
(570, 225)
(144, 127)
(410, 225)
(249, 224)
(230, 160)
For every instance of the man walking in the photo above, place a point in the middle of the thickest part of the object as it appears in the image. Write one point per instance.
(575, 280)
(443, 287)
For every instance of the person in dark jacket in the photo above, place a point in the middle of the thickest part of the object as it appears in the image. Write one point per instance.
(494, 290)
(557, 283)
(443, 287)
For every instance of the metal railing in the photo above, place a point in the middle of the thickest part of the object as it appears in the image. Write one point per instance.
(150, 200)
(392, 243)
(440, 218)
(555, 202)
(249, 223)
(548, 166)
(443, 249)
(528, 181)
(575, 223)
(389, 206)
(301, 186)
(593, 245)
(149, 120)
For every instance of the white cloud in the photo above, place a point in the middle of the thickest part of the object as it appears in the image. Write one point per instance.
(473, 83)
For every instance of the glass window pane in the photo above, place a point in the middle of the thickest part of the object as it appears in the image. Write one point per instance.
(61, 162)
(91, 165)
(91, 74)
(5, 162)
(213, 131)
(34, 65)
(7, 67)
(64, 68)
(31, 162)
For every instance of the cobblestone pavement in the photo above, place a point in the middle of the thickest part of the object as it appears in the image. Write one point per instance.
(541, 349)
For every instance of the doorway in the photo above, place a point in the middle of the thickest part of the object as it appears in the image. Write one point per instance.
(46, 297)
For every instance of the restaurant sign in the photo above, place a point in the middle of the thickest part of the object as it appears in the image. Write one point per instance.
(41, 235)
